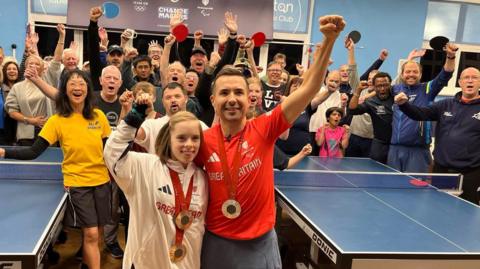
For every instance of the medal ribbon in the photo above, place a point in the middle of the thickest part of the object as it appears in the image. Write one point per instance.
(181, 202)
(231, 179)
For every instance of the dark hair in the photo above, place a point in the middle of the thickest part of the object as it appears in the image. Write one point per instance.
(174, 85)
(228, 70)
(62, 103)
(4, 72)
(191, 70)
(291, 82)
(381, 75)
(333, 109)
(142, 58)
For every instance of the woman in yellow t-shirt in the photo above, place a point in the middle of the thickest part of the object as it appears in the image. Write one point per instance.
(81, 131)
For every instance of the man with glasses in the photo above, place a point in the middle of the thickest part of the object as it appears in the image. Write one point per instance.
(457, 147)
(273, 89)
(379, 107)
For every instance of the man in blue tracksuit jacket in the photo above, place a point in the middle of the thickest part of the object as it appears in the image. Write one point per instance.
(457, 141)
(409, 150)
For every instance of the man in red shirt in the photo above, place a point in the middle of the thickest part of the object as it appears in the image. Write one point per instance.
(238, 154)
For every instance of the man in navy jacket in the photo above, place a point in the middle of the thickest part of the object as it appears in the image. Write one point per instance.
(409, 149)
(457, 141)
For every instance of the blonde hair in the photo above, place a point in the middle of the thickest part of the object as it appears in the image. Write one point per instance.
(144, 86)
(163, 142)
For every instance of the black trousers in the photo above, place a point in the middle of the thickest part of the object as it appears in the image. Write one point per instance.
(471, 181)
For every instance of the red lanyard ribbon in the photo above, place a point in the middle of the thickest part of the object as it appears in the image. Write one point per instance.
(231, 177)
(182, 203)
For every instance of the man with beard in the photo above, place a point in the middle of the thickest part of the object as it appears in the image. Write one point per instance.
(174, 99)
(379, 107)
(457, 143)
(410, 145)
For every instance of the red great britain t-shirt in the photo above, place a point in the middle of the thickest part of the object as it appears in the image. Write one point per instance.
(255, 190)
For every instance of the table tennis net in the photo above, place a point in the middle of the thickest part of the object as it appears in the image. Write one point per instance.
(358, 179)
(30, 171)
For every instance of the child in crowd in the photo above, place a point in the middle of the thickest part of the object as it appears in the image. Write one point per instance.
(169, 234)
(331, 138)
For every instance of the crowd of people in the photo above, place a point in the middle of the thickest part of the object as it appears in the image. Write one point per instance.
(187, 148)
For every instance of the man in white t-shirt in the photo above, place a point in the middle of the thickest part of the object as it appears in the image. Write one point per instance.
(174, 99)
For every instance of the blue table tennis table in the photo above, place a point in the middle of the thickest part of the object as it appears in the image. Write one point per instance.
(32, 204)
(354, 221)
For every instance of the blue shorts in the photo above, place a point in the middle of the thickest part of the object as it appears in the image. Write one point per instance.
(409, 159)
(258, 253)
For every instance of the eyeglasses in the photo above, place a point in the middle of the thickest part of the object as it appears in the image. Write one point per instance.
(385, 86)
(274, 70)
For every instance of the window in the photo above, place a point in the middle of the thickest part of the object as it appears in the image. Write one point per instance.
(467, 59)
(292, 51)
(442, 19)
(470, 30)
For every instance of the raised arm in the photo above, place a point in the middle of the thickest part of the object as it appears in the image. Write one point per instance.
(93, 48)
(353, 79)
(441, 80)
(249, 46)
(57, 56)
(47, 89)
(294, 104)
(164, 59)
(356, 95)
(375, 65)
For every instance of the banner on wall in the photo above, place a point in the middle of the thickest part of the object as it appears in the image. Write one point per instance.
(154, 16)
(49, 7)
(291, 16)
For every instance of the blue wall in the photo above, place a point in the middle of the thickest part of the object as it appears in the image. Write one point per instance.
(392, 24)
(13, 21)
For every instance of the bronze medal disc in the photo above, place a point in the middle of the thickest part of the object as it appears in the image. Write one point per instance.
(231, 209)
(177, 252)
(183, 220)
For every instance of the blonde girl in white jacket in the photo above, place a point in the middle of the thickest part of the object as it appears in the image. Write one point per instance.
(166, 214)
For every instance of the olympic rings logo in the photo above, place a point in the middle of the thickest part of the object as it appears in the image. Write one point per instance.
(140, 8)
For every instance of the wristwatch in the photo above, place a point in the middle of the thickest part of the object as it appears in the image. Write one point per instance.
(25, 120)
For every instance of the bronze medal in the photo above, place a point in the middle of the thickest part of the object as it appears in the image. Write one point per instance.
(231, 209)
(177, 252)
(183, 220)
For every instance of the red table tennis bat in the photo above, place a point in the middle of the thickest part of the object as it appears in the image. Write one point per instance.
(418, 182)
(259, 39)
(180, 32)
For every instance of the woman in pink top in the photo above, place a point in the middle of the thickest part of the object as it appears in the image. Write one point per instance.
(331, 138)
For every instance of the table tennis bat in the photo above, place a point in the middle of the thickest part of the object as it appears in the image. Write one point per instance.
(180, 32)
(354, 36)
(418, 182)
(259, 39)
(438, 42)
